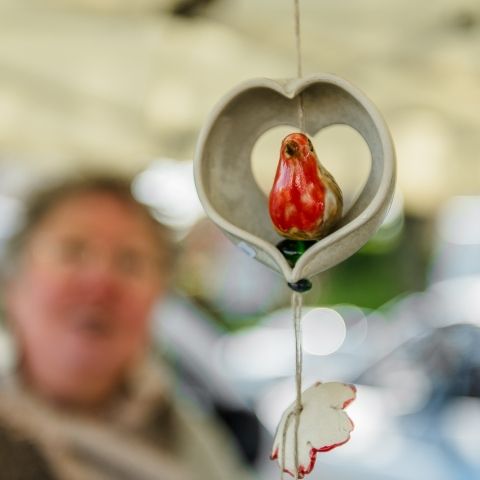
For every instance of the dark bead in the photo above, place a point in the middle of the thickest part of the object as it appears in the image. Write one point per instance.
(292, 250)
(301, 286)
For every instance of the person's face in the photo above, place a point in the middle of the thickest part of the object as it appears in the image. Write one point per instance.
(81, 300)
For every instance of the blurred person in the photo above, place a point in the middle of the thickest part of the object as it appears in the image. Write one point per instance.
(86, 398)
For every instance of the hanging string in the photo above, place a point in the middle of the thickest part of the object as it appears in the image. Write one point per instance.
(297, 324)
(301, 111)
(297, 301)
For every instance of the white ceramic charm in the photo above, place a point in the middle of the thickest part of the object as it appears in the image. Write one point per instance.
(323, 425)
(231, 196)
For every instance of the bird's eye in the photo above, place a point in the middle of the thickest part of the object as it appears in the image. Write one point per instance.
(291, 148)
(310, 145)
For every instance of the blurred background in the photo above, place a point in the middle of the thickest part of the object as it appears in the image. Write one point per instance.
(125, 86)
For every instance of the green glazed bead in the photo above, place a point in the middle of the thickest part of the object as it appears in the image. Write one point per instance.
(292, 250)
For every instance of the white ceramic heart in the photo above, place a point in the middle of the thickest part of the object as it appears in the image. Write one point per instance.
(230, 195)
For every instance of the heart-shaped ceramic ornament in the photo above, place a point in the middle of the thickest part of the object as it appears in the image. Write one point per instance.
(231, 196)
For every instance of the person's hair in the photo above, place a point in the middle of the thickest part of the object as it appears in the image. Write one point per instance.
(42, 202)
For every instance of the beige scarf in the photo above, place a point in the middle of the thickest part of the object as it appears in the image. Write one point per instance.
(106, 447)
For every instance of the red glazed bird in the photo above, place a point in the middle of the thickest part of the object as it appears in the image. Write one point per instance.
(305, 201)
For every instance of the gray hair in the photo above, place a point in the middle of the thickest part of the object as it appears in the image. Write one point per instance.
(42, 202)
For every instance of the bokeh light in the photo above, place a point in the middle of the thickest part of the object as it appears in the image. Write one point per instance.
(323, 330)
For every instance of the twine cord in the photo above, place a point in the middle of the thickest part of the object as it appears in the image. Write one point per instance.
(297, 321)
(297, 301)
(301, 111)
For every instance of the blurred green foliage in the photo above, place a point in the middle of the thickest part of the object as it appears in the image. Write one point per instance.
(380, 272)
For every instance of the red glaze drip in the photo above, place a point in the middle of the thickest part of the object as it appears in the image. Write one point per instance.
(302, 470)
(274, 455)
(350, 400)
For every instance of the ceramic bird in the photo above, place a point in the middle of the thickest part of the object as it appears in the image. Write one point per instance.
(305, 201)
(323, 426)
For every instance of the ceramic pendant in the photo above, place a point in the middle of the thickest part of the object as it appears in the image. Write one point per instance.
(323, 425)
(231, 196)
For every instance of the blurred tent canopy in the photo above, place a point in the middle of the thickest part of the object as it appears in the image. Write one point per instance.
(119, 83)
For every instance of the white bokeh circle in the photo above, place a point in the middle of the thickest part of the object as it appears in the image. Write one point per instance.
(323, 330)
